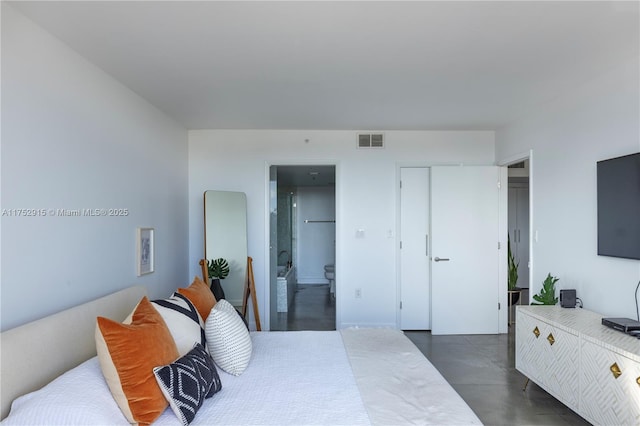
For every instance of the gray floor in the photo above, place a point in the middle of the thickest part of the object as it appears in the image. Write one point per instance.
(313, 308)
(481, 368)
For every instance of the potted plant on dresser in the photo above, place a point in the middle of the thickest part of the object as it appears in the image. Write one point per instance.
(218, 270)
(547, 295)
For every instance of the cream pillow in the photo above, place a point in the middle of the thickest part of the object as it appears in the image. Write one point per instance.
(183, 320)
(228, 339)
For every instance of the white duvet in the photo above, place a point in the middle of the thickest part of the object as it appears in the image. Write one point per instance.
(293, 378)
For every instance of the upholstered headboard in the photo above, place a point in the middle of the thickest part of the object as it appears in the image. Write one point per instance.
(33, 354)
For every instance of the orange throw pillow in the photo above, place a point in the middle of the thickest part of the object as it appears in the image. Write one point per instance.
(200, 295)
(128, 353)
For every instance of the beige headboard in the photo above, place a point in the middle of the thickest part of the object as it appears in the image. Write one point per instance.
(33, 354)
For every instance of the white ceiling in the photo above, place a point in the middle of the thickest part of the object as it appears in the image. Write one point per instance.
(346, 65)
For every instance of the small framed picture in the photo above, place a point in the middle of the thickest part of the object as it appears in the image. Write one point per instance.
(144, 250)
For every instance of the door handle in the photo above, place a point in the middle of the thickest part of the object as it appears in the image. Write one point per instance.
(441, 259)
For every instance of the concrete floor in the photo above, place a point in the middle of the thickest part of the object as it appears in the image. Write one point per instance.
(312, 309)
(481, 368)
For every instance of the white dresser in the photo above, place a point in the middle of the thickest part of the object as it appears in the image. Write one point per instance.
(592, 369)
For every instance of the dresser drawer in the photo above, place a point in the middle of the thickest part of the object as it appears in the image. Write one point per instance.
(549, 356)
(610, 386)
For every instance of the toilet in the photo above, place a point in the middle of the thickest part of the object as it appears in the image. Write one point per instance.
(330, 274)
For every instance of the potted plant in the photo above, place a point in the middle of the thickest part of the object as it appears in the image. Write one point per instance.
(218, 270)
(547, 295)
(512, 279)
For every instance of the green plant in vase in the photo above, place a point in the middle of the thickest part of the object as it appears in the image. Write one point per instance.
(218, 270)
(547, 295)
(512, 277)
(513, 267)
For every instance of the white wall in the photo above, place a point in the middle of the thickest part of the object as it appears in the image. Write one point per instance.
(366, 197)
(568, 136)
(74, 138)
(316, 241)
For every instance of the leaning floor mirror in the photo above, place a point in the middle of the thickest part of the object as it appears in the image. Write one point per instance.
(225, 236)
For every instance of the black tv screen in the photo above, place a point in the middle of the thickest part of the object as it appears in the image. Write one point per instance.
(619, 207)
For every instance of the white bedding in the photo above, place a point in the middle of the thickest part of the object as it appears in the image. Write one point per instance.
(294, 378)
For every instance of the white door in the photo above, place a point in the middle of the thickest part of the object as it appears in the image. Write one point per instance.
(415, 301)
(465, 222)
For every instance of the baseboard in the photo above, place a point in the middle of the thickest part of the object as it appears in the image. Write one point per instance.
(365, 325)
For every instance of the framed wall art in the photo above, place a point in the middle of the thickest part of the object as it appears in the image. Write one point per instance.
(144, 250)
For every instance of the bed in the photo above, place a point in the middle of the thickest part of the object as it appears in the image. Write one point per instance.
(357, 376)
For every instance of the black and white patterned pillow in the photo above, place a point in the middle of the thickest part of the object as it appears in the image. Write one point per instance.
(183, 320)
(186, 382)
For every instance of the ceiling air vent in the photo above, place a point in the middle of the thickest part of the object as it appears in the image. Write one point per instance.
(370, 140)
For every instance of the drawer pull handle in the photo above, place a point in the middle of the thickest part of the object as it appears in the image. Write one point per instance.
(638, 380)
(536, 332)
(551, 339)
(616, 370)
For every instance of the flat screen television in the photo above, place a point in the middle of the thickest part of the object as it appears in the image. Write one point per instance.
(619, 206)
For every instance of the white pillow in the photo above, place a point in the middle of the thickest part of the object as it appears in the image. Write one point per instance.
(228, 339)
(183, 321)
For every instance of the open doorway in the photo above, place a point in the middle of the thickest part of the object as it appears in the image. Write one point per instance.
(518, 225)
(302, 247)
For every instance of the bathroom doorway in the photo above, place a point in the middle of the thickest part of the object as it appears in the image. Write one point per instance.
(302, 247)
